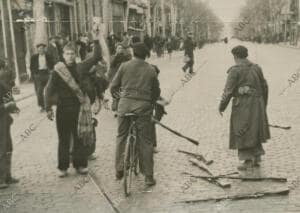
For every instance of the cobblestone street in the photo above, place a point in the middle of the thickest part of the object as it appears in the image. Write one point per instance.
(194, 112)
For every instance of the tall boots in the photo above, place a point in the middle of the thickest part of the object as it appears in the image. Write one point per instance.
(5, 171)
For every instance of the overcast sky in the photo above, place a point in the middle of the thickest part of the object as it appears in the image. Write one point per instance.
(226, 10)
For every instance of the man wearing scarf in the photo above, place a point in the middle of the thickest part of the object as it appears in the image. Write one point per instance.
(73, 114)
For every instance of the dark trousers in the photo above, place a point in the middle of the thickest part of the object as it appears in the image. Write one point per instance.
(40, 81)
(66, 122)
(5, 147)
(145, 142)
(189, 65)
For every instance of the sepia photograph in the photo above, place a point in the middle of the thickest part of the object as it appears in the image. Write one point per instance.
(149, 106)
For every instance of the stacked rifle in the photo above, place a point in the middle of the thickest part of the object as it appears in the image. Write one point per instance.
(221, 181)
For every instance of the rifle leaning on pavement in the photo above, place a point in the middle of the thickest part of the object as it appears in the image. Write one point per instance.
(276, 179)
(197, 156)
(220, 183)
(241, 196)
(175, 132)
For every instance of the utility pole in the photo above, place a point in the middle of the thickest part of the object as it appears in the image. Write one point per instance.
(13, 43)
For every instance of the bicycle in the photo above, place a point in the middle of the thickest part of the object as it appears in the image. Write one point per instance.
(131, 160)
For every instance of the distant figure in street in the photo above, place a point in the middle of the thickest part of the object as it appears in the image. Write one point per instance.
(249, 126)
(53, 50)
(169, 46)
(137, 85)
(225, 40)
(112, 40)
(83, 46)
(70, 82)
(189, 47)
(7, 106)
(148, 42)
(40, 66)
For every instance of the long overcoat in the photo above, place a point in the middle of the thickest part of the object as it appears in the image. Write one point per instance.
(249, 122)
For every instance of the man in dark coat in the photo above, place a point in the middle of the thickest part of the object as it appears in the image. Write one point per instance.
(249, 126)
(189, 47)
(148, 42)
(40, 66)
(69, 106)
(53, 50)
(7, 106)
(139, 89)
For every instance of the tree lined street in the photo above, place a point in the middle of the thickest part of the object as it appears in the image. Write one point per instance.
(192, 111)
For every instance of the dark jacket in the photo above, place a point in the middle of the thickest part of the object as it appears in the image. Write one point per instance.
(53, 51)
(249, 121)
(189, 47)
(57, 86)
(116, 62)
(138, 85)
(34, 63)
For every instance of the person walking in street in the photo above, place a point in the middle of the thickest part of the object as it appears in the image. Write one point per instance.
(249, 127)
(7, 106)
(73, 114)
(53, 50)
(40, 66)
(137, 85)
(169, 46)
(189, 47)
(148, 42)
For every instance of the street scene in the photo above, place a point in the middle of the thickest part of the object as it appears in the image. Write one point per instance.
(201, 96)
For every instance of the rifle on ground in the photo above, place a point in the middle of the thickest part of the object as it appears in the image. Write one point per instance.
(280, 127)
(276, 179)
(220, 183)
(241, 197)
(197, 156)
(175, 132)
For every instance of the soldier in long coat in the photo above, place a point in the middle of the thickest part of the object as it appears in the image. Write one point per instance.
(249, 127)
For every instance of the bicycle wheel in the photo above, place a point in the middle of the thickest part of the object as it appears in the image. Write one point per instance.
(136, 160)
(128, 169)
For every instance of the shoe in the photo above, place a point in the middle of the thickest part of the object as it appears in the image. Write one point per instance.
(150, 181)
(12, 180)
(246, 165)
(155, 150)
(63, 173)
(82, 170)
(119, 175)
(92, 157)
(3, 185)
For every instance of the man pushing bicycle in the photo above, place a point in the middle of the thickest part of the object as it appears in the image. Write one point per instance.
(137, 86)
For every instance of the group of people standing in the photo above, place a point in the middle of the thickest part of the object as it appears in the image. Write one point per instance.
(77, 89)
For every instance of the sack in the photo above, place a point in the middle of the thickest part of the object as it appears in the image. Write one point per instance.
(186, 59)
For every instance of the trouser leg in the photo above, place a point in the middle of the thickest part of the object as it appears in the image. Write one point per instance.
(80, 151)
(5, 147)
(123, 128)
(41, 82)
(64, 138)
(145, 141)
